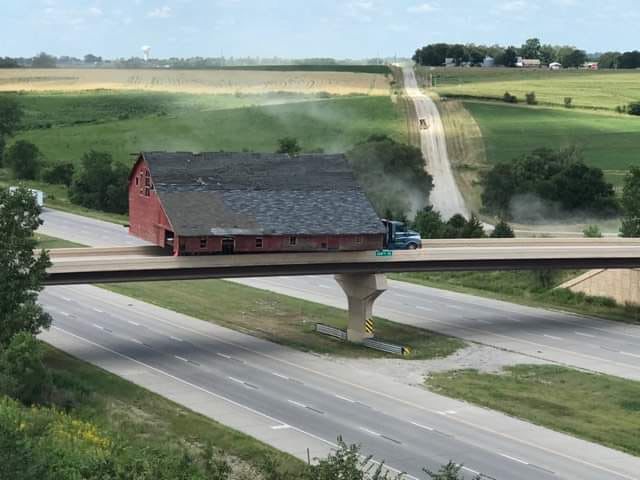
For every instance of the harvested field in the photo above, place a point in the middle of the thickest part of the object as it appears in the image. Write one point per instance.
(194, 81)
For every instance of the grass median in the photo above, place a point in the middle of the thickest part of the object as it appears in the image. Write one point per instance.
(279, 318)
(595, 407)
(148, 420)
(47, 242)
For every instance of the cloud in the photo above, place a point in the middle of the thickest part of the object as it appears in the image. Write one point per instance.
(513, 6)
(160, 12)
(95, 12)
(421, 8)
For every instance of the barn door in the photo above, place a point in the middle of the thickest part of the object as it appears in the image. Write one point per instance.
(228, 245)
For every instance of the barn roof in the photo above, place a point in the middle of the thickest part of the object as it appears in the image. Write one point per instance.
(260, 194)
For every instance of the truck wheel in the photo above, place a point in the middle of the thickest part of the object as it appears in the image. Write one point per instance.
(412, 246)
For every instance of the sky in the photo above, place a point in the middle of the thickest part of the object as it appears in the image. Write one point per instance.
(306, 28)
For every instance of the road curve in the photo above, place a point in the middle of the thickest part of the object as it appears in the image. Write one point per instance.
(445, 196)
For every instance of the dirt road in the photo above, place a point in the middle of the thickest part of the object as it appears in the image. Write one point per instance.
(445, 196)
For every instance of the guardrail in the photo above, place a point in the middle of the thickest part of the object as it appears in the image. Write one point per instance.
(331, 331)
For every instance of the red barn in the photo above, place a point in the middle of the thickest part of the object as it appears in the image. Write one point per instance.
(206, 203)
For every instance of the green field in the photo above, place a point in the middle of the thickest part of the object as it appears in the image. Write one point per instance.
(279, 318)
(196, 124)
(589, 89)
(598, 408)
(610, 142)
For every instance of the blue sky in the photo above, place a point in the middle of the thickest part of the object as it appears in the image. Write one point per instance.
(288, 28)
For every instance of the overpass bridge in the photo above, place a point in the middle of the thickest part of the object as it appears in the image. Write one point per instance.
(360, 274)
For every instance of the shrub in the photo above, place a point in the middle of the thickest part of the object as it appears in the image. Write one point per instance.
(507, 97)
(592, 231)
(634, 108)
(531, 98)
(61, 173)
(568, 102)
(502, 230)
(101, 184)
(621, 108)
(23, 376)
(289, 145)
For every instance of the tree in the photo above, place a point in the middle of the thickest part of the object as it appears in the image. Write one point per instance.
(609, 60)
(90, 58)
(458, 53)
(592, 231)
(502, 230)
(24, 160)
(531, 48)
(531, 98)
(450, 471)
(101, 184)
(574, 58)
(631, 204)
(510, 57)
(429, 223)
(473, 228)
(346, 463)
(61, 173)
(476, 55)
(629, 60)
(23, 375)
(10, 117)
(21, 272)
(289, 145)
(43, 60)
(547, 54)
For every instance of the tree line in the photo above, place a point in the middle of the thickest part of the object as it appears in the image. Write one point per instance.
(569, 56)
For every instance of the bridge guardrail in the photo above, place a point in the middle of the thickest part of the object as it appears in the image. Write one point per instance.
(386, 347)
(332, 331)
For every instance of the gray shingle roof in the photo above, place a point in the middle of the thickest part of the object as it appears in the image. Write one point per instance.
(260, 194)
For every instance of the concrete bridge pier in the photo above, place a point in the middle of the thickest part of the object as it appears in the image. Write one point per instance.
(361, 289)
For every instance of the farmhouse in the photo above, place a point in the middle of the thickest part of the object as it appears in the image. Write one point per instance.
(206, 203)
(555, 66)
(528, 63)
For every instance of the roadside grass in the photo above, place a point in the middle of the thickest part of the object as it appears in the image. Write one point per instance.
(525, 287)
(333, 124)
(595, 407)
(146, 419)
(47, 242)
(281, 319)
(466, 149)
(603, 89)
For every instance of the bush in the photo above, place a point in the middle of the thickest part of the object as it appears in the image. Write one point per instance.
(634, 108)
(531, 98)
(502, 230)
(23, 376)
(592, 231)
(102, 184)
(430, 225)
(507, 97)
(289, 145)
(61, 174)
(568, 102)
(24, 160)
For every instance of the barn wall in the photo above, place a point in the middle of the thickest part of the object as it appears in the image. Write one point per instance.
(147, 219)
(270, 244)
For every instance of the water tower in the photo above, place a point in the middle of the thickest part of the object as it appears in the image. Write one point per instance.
(145, 51)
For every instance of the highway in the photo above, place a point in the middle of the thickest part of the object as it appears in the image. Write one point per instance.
(573, 340)
(445, 196)
(296, 400)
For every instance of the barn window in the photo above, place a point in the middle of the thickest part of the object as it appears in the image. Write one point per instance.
(147, 183)
(258, 242)
(137, 181)
(203, 242)
(293, 241)
(358, 240)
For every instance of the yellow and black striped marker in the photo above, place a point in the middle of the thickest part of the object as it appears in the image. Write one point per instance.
(406, 351)
(368, 326)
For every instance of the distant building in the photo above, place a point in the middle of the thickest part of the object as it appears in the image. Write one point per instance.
(449, 62)
(488, 62)
(555, 66)
(528, 63)
(590, 66)
(199, 204)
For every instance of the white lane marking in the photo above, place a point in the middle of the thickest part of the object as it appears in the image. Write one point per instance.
(630, 354)
(233, 379)
(427, 309)
(280, 376)
(224, 356)
(280, 427)
(484, 321)
(98, 326)
(176, 338)
(323, 286)
(181, 358)
(469, 470)
(65, 314)
(135, 324)
(345, 398)
(447, 412)
(135, 340)
(552, 337)
(297, 404)
(66, 299)
(370, 432)
(585, 334)
(513, 458)
(98, 310)
(422, 426)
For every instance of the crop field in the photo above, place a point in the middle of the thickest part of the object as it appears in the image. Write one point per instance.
(589, 89)
(228, 81)
(610, 142)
